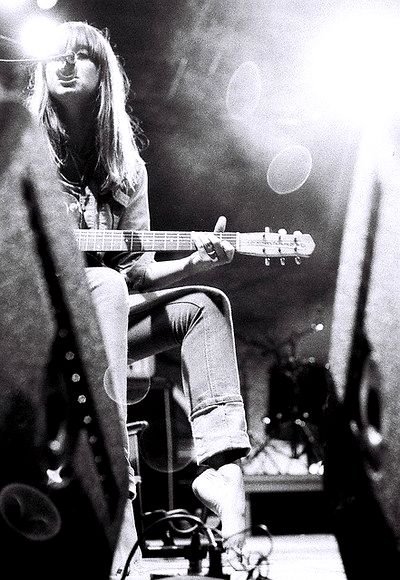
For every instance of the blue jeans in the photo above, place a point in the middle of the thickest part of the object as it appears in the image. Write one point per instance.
(110, 297)
(199, 320)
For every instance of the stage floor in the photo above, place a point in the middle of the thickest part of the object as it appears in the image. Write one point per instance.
(297, 557)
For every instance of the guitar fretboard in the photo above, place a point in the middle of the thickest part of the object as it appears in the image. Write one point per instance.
(141, 241)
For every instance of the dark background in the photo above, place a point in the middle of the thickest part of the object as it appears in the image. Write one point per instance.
(203, 161)
(183, 58)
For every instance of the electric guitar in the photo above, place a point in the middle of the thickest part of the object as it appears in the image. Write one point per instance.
(263, 244)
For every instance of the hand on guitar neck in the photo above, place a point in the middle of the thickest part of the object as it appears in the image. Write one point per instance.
(213, 248)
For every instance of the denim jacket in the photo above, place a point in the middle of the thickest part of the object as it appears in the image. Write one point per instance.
(94, 209)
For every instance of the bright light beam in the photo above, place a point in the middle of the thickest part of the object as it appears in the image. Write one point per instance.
(12, 4)
(244, 91)
(354, 65)
(46, 4)
(37, 36)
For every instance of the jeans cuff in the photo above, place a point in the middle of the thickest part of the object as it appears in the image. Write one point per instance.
(220, 428)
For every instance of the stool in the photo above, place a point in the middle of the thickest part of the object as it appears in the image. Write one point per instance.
(134, 429)
(196, 550)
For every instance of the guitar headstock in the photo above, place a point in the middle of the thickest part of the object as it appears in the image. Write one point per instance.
(278, 244)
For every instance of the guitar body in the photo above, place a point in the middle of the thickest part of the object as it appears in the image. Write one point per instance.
(60, 507)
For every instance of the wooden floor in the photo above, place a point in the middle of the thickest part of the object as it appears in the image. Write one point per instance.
(302, 557)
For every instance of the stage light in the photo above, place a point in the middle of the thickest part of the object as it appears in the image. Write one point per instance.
(46, 4)
(316, 468)
(37, 36)
(354, 63)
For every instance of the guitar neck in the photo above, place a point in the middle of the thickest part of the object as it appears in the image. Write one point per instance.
(263, 244)
(141, 241)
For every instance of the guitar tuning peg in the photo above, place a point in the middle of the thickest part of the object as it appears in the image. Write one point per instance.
(267, 261)
(297, 260)
(282, 232)
(297, 233)
(282, 261)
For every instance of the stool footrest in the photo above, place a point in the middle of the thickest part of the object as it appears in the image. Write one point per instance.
(136, 427)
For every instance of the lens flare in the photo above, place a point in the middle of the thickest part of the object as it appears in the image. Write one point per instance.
(244, 90)
(289, 169)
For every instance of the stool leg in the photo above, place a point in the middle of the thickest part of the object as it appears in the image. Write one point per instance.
(133, 431)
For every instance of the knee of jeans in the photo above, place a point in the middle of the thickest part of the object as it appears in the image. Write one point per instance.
(116, 289)
(210, 299)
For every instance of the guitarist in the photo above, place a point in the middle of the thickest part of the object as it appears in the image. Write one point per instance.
(80, 99)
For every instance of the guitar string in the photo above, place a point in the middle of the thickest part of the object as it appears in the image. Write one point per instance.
(136, 241)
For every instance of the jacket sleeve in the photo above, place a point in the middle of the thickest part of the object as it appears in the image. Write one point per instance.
(135, 216)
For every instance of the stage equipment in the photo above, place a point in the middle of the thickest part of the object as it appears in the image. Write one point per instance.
(362, 468)
(63, 481)
(183, 525)
(203, 541)
(166, 446)
(296, 399)
(179, 533)
(135, 428)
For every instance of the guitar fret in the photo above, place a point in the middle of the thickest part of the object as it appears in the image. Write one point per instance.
(264, 244)
(113, 240)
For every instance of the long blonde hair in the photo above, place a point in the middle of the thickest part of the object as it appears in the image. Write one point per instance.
(117, 134)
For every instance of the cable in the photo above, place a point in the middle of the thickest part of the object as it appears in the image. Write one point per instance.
(168, 517)
(252, 561)
(260, 566)
(260, 570)
(250, 529)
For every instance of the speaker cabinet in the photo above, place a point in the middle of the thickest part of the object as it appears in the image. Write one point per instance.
(63, 480)
(362, 471)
